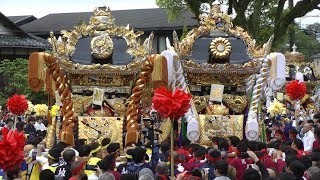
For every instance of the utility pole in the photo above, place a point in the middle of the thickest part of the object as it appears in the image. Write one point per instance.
(291, 31)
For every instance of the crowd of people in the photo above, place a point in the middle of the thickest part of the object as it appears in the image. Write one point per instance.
(290, 152)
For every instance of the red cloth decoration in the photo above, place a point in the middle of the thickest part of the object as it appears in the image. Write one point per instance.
(11, 149)
(171, 105)
(212, 159)
(296, 90)
(17, 104)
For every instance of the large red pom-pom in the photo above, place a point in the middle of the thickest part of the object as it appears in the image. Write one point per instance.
(17, 104)
(296, 90)
(11, 149)
(173, 105)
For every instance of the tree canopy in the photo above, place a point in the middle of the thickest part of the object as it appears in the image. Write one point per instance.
(261, 18)
(14, 75)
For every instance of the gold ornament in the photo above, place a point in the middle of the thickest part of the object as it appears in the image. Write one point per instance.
(165, 127)
(200, 102)
(219, 126)
(101, 127)
(220, 48)
(102, 46)
(50, 138)
(118, 105)
(217, 110)
(236, 103)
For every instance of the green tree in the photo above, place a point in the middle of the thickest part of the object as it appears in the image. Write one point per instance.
(314, 30)
(307, 43)
(260, 18)
(184, 32)
(14, 74)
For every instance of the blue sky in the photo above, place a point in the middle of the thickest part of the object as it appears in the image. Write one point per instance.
(41, 8)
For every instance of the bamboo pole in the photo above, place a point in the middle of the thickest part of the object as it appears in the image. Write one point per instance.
(171, 151)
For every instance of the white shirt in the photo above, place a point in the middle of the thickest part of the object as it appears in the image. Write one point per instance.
(40, 127)
(308, 140)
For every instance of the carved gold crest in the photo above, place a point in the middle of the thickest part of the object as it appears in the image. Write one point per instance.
(220, 48)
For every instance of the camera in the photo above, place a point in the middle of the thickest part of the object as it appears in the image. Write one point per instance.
(34, 155)
(91, 167)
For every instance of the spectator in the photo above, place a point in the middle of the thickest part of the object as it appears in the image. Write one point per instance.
(278, 136)
(293, 134)
(162, 171)
(97, 154)
(77, 170)
(39, 125)
(53, 159)
(108, 164)
(164, 147)
(13, 174)
(316, 144)
(20, 126)
(106, 176)
(308, 137)
(314, 172)
(146, 177)
(318, 121)
(297, 145)
(139, 161)
(240, 162)
(84, 151)
(122, 168)
(311, 122)
(64, 170)
(146, 171)
(315, 157)
(251, 174)
(9, 124)
(47, 174)
(297, 169)
(221, 170)
(287, 176)
(30, 130)
(275, 127)
(114, 149)
(104, 145)
(213, 156)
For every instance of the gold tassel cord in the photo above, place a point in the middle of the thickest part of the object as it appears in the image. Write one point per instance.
(64, 91)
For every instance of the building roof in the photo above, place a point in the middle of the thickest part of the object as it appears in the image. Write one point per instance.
(315, 57)
(25, 42)
(21, 20)
(13, 36)
(139, 19)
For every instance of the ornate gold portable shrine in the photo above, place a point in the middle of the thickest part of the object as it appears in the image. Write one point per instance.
(214, 120)
(296, 62)
(112, 78)
(82, 81)
(311, 74)
(218, 119)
